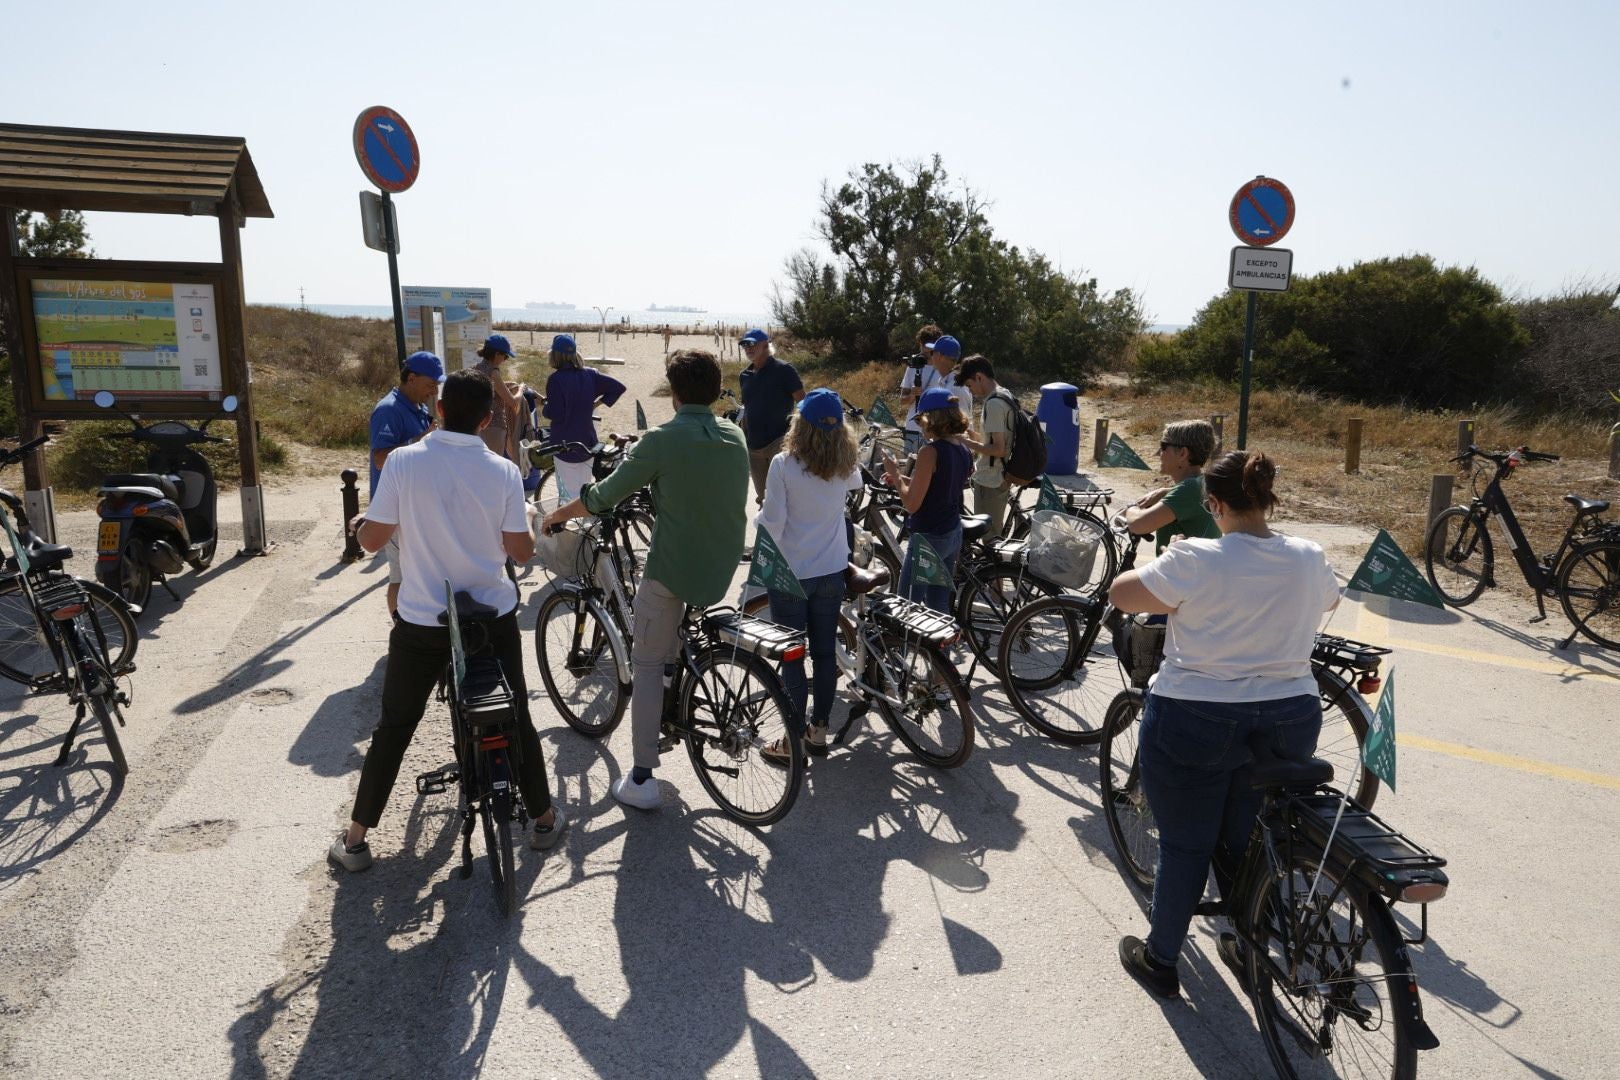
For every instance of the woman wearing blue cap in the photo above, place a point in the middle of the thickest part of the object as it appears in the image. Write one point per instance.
(498, 436)
(803, 511)
(932, 494)
(572, 393)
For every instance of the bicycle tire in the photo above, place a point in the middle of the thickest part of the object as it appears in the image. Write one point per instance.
(107, 714)
(1344, 932)
(638, 530)
(1125, 806)
(495, 813)
(1345, 720)
(986, 601)
(579, 663)
(937, 730)
(1591, 573)
(1457, 556)
(25, 657)
(1055, 682)
(99, 688)
(733, 707)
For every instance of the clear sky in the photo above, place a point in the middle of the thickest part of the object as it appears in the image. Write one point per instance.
(638, 152)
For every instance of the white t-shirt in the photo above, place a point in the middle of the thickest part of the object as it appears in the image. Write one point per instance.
(1246, 615)
(805, 516)
(451, 499)
(927, 379)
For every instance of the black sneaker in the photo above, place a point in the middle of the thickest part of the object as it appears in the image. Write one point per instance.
(1235, 955)
(1157, 978)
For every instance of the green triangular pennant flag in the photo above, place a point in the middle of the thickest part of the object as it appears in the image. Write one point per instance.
(769, 568)
(17, 545)
(1116, 455)
(641, 418)
(1049, 499)
(927, 566)
(458, 655)
(1378, 752)
(1386, 571)
(879, 413)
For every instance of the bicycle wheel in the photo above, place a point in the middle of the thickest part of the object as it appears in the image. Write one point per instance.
(1589, 590)
(105, 707)
(1345, 718)
(932, 718)
(1330, 977)
(988, 597)
(1457, 556)
(579, 663)
(1125, 805)
(734, 707)
(495, 813)
(100, 690)
(1059, 670)
(24, 654)
(117, 625)
(638, 530)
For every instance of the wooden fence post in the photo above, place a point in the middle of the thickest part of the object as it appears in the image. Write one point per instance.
(1614, 455)
(1439, 497)
(1465, 436)
(1099, 440)
(1352, 446)
(1218, 422)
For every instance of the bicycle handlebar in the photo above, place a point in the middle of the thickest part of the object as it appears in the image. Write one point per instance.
(1503, 457)
(11, 457)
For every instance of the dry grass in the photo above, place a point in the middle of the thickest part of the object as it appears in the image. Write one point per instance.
(1401, 450)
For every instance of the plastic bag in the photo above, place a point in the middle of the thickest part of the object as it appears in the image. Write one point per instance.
(1062, 549)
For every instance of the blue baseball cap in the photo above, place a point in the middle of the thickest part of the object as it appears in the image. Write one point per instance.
(937, 398)
(425, 363)
(946, 346)
(496, 343)
(564, 343)
(754, 337)
(822, 407)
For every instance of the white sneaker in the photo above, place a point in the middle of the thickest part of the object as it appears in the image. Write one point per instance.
(642, 796)
(543, 837)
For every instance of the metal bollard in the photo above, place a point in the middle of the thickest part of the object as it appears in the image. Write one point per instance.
(1100, 439)
(1352, 446)
(351, 508)
(1439, 497)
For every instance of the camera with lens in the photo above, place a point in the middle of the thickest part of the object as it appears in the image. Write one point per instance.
(916, 361)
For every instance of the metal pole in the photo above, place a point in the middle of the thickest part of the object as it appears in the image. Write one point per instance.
(391, 242)
(604, 313)
(1248, 360)
(351, 507)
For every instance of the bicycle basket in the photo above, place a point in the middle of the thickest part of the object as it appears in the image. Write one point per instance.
(1140, 647)
(1061, 549)
(911, 619)
(564, 554)
(1363, 845)
(767, 639)
(486, 700)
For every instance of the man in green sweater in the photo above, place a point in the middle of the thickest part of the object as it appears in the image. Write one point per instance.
(697, 466)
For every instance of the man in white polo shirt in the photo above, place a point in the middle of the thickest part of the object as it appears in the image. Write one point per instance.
(460, 514)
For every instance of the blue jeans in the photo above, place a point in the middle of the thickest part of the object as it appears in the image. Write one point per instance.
(1195, 773)
(817, 612)
(946, 545)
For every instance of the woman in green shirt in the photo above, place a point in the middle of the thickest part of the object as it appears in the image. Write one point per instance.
(1178, 510)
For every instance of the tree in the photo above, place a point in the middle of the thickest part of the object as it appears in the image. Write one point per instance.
(908, 248)
(40, 236)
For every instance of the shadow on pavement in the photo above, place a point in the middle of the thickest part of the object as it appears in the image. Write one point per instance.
(162, 607)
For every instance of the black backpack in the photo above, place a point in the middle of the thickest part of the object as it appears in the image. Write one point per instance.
(1026, 460)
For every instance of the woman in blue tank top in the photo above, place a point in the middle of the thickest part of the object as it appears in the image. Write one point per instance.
(932, 494)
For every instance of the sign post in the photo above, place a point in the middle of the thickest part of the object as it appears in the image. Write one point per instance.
(386, 150)
(1261, 213)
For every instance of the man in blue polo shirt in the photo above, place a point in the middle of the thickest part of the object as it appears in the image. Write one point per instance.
(399, 419)
(770, 390)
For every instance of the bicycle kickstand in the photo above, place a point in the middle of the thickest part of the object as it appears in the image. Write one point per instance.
(67, 743)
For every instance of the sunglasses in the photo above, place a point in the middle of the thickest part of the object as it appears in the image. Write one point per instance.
(1170, 446)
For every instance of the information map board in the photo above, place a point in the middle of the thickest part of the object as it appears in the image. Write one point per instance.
(467, 319)
(138, 339)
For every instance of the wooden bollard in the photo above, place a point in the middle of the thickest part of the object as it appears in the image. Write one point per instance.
(1614, 456)
(1352, 446)
(1099, 442)
(1439, 497)
(1465, 436)
(1218, 422)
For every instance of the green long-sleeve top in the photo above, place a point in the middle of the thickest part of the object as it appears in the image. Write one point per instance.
(697, 465)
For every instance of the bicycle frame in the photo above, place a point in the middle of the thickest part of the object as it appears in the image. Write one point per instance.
(1538, 573)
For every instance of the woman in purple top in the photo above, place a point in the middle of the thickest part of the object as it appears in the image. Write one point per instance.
(572, 393)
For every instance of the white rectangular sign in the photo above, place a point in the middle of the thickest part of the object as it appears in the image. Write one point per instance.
(1266, 268)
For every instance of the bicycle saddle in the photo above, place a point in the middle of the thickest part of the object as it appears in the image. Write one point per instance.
(165, 484)
(41, 556)
(1271, 771)
(1586, 506)
(858, 582)
(974, 526)
(467, 610)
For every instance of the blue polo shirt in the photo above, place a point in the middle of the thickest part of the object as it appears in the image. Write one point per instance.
(395, 422)
(767, 395)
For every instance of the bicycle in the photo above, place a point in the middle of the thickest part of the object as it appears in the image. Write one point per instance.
(484, 737)
(69, 629)
(722, 697)
(1583, 573)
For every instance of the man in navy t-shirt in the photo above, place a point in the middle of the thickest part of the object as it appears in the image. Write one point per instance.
(770, 390)
(399, 419)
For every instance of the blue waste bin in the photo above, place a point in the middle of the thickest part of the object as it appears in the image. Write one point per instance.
(1059, 416)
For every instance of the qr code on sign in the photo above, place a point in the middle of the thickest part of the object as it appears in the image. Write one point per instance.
(199, 369)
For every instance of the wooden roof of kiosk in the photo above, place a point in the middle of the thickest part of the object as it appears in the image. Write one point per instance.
(52, 169)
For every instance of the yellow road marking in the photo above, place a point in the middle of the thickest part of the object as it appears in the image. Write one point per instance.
(1373, 625)
(1509, 761)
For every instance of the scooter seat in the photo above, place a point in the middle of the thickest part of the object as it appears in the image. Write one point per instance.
(166, 484)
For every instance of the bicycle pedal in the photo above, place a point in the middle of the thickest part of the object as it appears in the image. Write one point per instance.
(435, 783)
(667, 742)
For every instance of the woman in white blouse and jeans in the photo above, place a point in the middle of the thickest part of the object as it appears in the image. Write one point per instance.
(804, 507)
(1244, 612)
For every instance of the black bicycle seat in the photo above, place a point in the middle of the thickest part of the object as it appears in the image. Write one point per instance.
(858, 581)
(1271, 771)
(468, 610)
(974, 526)
(41, 556)
(1586, 506)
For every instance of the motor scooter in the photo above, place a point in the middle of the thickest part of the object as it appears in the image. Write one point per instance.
(155, 522)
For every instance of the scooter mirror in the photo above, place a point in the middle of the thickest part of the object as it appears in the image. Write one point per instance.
(104, 399)
(229, 404)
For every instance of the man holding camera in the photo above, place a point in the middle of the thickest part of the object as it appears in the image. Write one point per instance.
(930, 368)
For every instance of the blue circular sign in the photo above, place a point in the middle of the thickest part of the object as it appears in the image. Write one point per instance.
(386, 149)
(1262, 211)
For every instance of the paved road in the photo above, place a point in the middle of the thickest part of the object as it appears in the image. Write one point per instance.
(900, 922)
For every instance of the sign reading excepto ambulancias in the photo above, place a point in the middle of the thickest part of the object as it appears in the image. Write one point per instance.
(1119, 456)
(1265, 269)
(1378, 752)
(769, 568)
(1386, 571)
